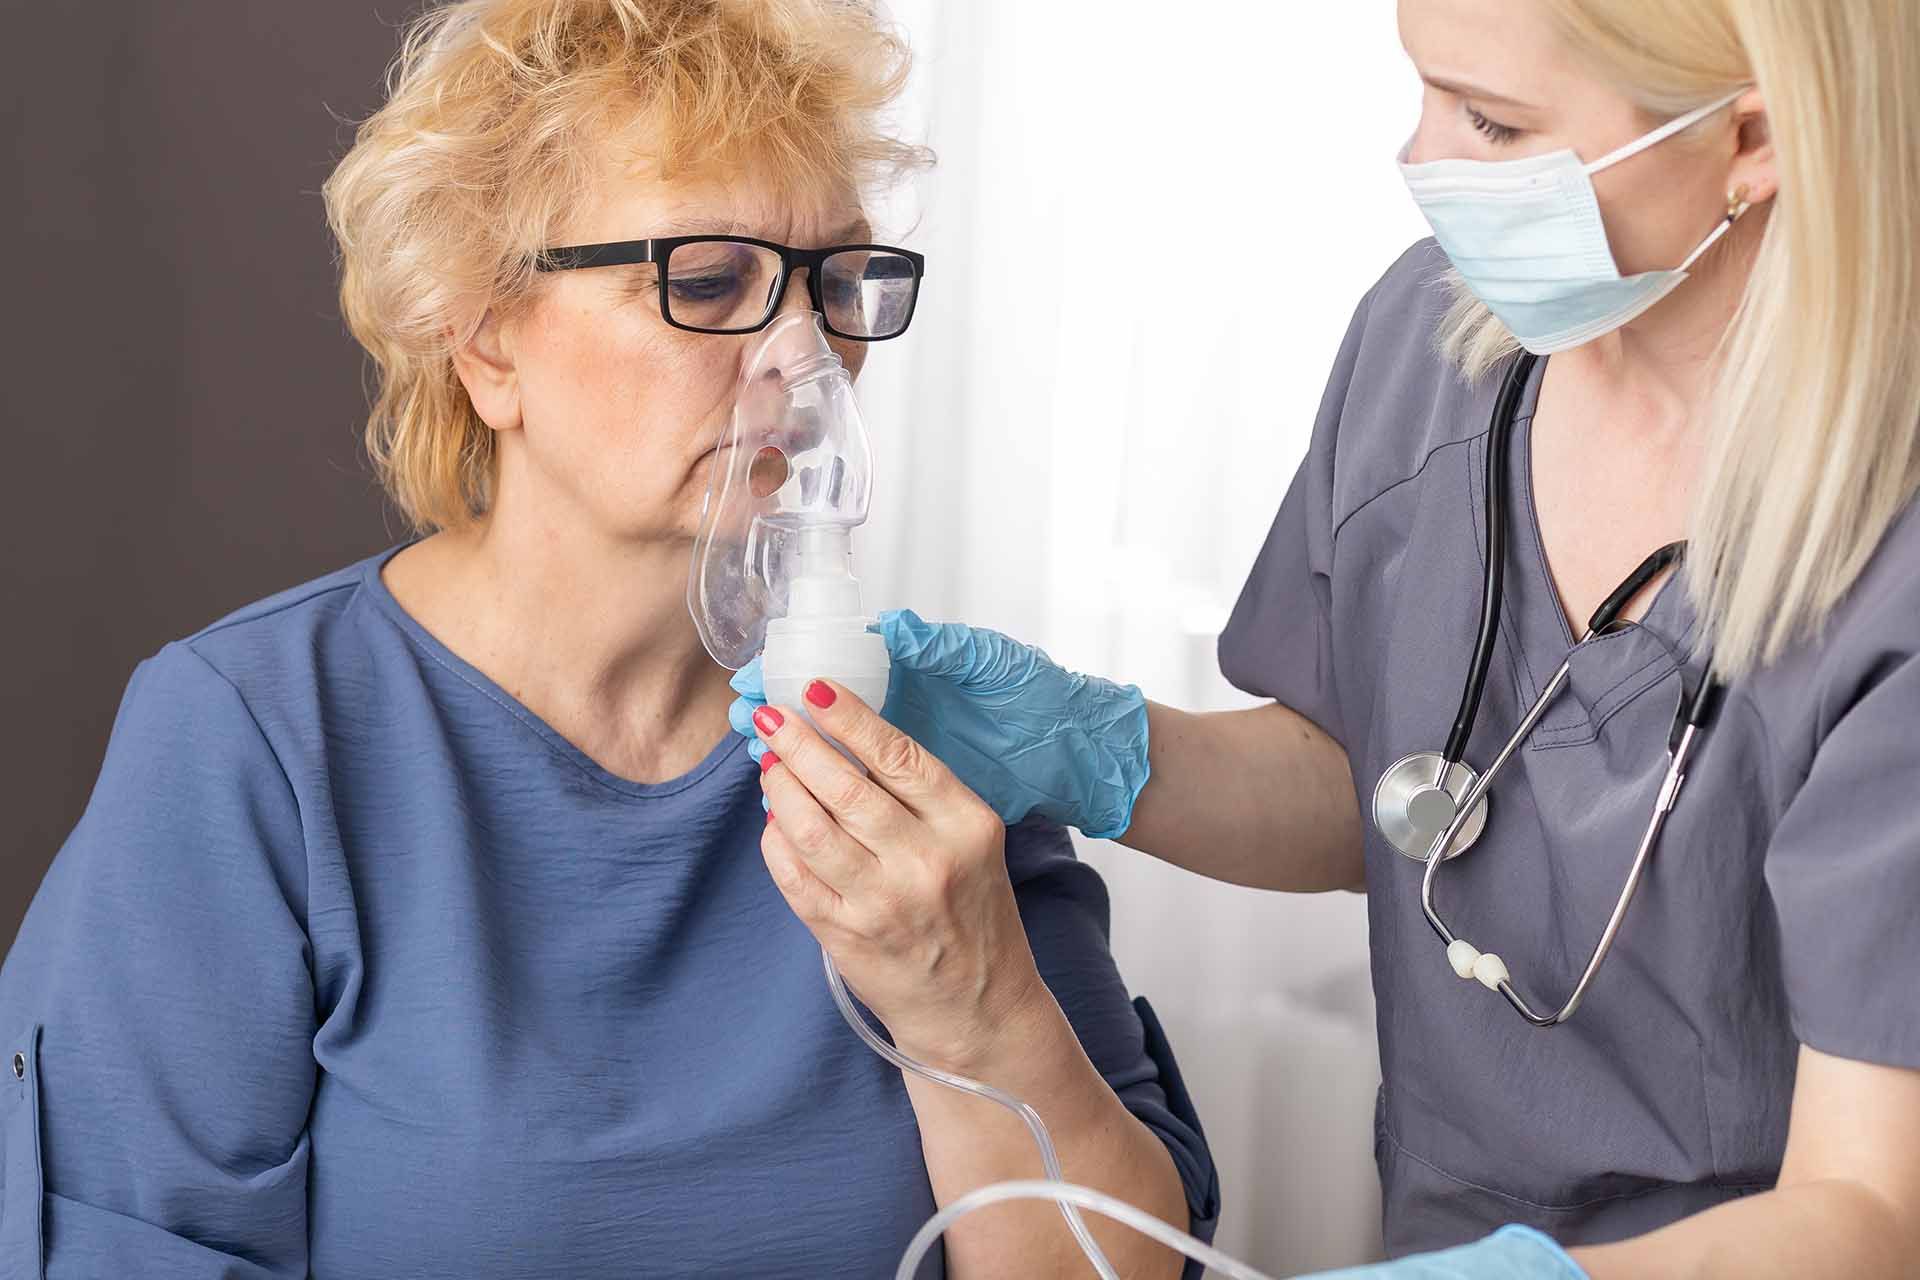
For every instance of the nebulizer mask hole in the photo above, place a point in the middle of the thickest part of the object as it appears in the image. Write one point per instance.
(768, 471)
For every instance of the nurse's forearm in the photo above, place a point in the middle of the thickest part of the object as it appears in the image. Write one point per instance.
(970, 1142)
(1262, 797)
(1814, 1231)
(1847, 1204)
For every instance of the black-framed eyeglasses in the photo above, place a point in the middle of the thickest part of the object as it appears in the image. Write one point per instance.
(733, 284)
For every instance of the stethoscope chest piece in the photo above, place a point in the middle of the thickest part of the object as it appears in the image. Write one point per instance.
(1411, 810)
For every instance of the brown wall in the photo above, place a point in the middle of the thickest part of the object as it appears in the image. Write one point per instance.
(179, 400)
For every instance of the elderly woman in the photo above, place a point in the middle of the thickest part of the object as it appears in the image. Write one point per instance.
(419, 925)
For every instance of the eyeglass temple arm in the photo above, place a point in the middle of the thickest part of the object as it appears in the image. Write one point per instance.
(619, 253)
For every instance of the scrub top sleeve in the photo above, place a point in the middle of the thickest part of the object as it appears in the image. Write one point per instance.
(1279, 641)
(1843, 870)
(1063, 904)
(157, 1009)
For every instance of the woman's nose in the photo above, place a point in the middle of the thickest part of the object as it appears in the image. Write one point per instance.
(799, 342)
(787, 344)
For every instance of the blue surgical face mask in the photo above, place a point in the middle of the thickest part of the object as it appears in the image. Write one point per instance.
(1526, 236)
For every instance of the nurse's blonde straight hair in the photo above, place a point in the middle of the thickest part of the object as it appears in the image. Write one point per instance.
(1813, 419)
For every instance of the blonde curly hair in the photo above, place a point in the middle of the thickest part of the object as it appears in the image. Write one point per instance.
(496, 119)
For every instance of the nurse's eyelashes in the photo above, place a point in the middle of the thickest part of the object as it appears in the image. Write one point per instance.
(1496, 133)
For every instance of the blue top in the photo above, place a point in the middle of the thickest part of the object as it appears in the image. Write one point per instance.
(354, 965)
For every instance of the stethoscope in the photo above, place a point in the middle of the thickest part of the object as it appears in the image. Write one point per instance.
(1432, 807)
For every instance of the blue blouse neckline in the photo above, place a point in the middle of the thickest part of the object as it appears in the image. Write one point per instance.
(375, 590)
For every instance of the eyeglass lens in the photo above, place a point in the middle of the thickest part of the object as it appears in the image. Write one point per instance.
(724, 286)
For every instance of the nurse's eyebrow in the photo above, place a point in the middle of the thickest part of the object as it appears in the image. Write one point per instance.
(1463, 89)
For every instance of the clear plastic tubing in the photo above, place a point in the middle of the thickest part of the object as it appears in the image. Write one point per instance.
(1065, 1194)
(1049, 1159)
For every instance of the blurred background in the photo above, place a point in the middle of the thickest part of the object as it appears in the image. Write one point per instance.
(1145, 239)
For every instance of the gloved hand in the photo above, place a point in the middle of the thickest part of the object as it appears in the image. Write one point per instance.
(1511, 1253)
(1023, 734)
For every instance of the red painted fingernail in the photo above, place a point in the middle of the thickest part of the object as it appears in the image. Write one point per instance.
(820, 693)
(767, 720)
(768, 760)
(769, 817)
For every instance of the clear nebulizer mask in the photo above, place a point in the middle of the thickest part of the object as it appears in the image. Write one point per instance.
(772, 565)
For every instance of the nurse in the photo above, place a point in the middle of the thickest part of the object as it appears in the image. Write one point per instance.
(1738, 1091)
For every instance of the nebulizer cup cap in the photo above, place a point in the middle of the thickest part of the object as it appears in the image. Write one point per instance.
(773, 561)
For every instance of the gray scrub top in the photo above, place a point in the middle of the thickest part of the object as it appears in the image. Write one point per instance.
(1782, 907)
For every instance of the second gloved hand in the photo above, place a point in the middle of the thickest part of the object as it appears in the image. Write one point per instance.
(1027, 736)
(1511, 1253)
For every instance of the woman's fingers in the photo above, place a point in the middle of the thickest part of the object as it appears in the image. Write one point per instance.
(811, 898)
(902, 767)
(841, 862)
(866, 808)
(921, 917)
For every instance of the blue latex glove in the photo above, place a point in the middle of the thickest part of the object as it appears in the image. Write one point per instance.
(1511, 1253)
(1025, 735)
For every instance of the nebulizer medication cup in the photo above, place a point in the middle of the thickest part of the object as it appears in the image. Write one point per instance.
(772, 574)
(824, 632)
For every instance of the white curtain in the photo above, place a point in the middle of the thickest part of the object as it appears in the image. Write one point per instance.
(1148, 229)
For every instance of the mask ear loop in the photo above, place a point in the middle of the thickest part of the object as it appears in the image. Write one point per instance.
(1737, 204)
(1664, 132)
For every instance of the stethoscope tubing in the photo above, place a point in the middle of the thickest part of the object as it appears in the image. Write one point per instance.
(1493, 579)
(1689, 725)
